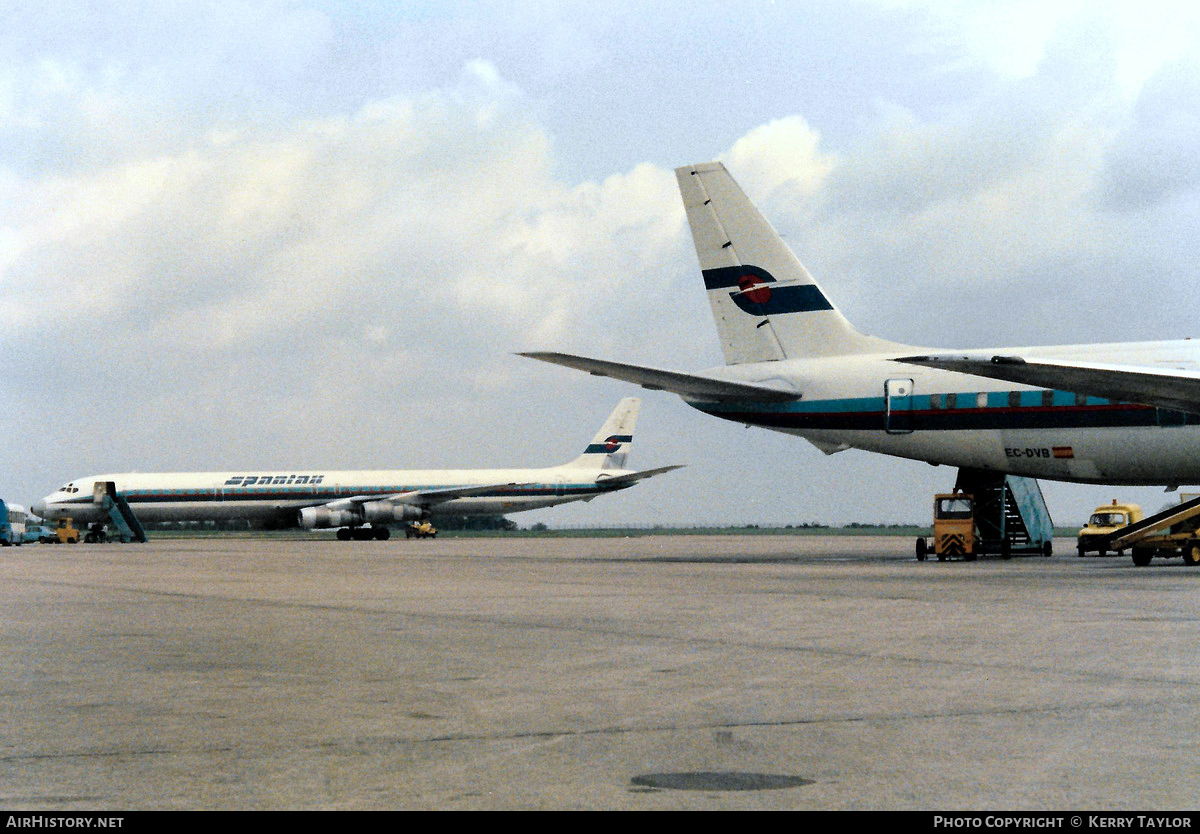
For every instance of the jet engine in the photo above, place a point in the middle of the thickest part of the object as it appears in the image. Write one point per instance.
(384, 512)
(316, 518)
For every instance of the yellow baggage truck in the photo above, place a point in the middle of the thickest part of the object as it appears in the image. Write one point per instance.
(1096, 536)
(1173, 532)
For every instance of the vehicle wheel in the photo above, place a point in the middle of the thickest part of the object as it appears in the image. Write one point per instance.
(382, 533)
(969, 556)
(1142, 557)
(1048, 549)
(1080, 551)
(1191, 554)
(343, 534)
(921, 552)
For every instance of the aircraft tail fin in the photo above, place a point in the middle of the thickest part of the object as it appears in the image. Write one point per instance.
(611, 445)
(766, 305)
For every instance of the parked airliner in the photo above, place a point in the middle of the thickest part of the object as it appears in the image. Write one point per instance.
(319, 498)
(1103, 413)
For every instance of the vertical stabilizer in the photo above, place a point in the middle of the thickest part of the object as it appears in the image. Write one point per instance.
(612, 443)
(766, 305)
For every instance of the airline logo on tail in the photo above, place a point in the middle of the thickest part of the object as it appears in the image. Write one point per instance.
(756, 292)
(609, 445)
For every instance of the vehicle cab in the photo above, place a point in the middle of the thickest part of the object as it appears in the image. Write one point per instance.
(1104, 521)
(953, 528)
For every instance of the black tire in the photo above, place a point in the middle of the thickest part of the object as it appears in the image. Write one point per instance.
(922, 550)
(1142, 556)
(1191, 553)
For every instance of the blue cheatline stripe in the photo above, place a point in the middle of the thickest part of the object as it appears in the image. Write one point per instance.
(327, 494)
(870, 414)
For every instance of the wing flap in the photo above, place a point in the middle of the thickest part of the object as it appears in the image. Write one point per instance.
(686, 385)
(1174, 389)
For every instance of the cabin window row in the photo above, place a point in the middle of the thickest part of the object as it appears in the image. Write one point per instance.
(1012, 399)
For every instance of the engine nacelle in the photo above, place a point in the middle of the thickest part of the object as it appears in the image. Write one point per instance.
(318, 518)
(384, 512)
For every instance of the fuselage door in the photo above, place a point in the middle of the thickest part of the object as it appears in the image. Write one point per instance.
(898, 399)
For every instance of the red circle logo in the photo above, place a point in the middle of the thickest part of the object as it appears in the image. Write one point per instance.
(754, 290)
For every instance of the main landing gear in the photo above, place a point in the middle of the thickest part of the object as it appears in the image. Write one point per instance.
(362, 534)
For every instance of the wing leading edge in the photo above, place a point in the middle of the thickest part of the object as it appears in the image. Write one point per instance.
(1172, 389)
(691, 386)
(423, 498)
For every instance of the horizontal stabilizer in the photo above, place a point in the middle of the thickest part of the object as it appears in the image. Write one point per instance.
(689, 386)
(1168, 388)
(630, 478)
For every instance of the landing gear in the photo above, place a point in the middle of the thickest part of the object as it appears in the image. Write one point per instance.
(362, 534)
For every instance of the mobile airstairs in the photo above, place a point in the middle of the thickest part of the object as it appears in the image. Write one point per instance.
(989, 513)
(120, 515)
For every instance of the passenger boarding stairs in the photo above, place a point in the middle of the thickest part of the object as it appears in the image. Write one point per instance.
(129, 529)
(1011, 517)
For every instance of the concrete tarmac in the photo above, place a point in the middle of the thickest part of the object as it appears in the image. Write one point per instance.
(652, 672)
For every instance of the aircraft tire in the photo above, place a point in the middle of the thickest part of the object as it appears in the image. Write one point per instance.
(1142, 557)
(921, 551)
(382, 533)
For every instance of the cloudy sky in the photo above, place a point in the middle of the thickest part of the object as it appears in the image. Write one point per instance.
(279, 234)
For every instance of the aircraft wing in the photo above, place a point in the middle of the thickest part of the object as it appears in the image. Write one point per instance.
(1161, 387)
(427, 497)
(655, 379)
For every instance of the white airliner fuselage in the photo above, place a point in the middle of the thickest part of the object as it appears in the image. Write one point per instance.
(1105, 413)
(318, 498)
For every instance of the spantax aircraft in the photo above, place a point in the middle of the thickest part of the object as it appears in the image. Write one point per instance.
(359, 504)
(1100, 413)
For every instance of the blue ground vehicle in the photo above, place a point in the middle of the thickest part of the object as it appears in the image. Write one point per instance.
(12, 523)
(39, 533)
